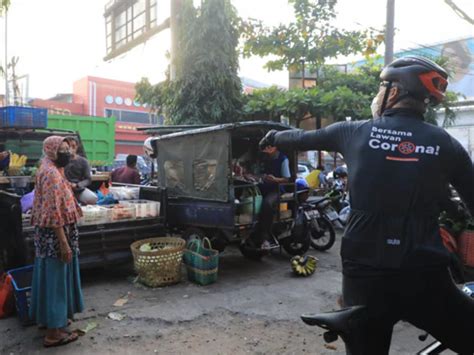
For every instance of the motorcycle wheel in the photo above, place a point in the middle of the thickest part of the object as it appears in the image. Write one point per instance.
(297, 245)
(324, 238)
(249, 249)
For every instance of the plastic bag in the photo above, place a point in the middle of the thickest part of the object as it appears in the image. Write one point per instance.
(105, 199)
(104, 189)
(27, 201)
(7, 302)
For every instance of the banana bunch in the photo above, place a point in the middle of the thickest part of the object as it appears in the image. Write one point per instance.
(17, 162)
(304, 265)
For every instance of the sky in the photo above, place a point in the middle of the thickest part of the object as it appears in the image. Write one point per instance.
(60, 41)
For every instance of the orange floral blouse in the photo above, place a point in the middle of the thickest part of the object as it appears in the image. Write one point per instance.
(54, 205)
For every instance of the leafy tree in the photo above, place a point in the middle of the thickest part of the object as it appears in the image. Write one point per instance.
(337, 96)
(153, 95)
(207, 88)
(310, 38)
(4, 4)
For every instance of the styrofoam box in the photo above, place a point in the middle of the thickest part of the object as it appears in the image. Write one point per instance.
(144, 208)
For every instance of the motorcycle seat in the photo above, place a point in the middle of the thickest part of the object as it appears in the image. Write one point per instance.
(316, 199)
(338, 321)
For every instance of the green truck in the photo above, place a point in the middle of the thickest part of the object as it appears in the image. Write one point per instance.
(97, 135)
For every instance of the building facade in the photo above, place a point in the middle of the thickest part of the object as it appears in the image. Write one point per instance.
(100, 97)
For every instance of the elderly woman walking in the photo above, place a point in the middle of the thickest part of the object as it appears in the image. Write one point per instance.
(56, 289)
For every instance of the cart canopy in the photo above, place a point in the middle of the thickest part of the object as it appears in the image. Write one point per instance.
(197, 163)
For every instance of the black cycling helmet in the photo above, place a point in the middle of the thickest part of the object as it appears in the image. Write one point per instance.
(340, 172)
(420, 77)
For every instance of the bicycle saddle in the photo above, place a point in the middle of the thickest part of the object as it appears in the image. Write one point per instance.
(338, 321)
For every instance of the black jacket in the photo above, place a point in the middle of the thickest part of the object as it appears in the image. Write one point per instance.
(398, 167)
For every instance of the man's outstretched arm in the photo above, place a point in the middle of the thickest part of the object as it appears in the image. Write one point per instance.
(331, 138)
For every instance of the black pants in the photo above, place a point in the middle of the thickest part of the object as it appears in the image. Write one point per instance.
(429, 300)
(266, 215)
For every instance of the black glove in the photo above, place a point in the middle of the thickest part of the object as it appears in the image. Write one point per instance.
(268, 140)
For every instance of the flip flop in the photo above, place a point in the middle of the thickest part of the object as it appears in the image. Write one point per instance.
(62, 341)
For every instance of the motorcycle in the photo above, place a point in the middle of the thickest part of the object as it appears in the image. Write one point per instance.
(338, 208)
(313, 212)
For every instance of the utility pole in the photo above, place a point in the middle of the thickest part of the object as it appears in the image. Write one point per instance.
(175, 21)
(389, 31)
(302, 74)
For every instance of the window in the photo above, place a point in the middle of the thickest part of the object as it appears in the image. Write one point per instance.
(139, 7)
(131, 116)
(204, 174)
(127, 21)
(174, 174)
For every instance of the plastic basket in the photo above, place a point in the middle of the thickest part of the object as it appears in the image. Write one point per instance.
(466, 247)
(21, 280)
(251, 203)
(144, 208)
(202, 263)
(24, 117)
(19, 181)
(161, 267)
(120, 212)
(94, 215)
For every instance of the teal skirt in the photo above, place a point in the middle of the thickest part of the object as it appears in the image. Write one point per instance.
(55, 292)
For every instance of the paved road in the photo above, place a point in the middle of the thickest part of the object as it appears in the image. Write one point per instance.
(253, 308)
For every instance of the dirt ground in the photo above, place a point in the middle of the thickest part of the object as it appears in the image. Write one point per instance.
(254, 308)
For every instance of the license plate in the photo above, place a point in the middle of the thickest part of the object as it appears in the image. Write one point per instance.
(312, 214)
(332, 215)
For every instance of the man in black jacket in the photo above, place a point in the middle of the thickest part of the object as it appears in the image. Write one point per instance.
(399, 166)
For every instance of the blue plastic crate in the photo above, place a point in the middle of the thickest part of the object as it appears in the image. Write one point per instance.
(21, 280)
(23, 117)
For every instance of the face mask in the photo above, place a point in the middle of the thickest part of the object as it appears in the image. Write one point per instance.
(63, 159)
(374, 107)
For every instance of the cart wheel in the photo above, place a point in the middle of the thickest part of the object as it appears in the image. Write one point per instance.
(218, 241)
(193, 233)
(249, 249)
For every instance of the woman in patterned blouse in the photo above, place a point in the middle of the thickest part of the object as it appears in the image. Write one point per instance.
(56, 288)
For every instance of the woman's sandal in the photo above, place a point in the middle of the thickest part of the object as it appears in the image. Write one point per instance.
(69, 338)
(42, 327)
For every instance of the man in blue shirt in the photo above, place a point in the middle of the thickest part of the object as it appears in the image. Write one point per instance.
(277, 171)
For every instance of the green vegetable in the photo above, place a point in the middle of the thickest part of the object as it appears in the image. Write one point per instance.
(145, 247)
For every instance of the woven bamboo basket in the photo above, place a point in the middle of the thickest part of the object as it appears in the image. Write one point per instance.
(161, 267)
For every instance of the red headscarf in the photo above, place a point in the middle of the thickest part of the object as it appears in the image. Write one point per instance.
(51, 146)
